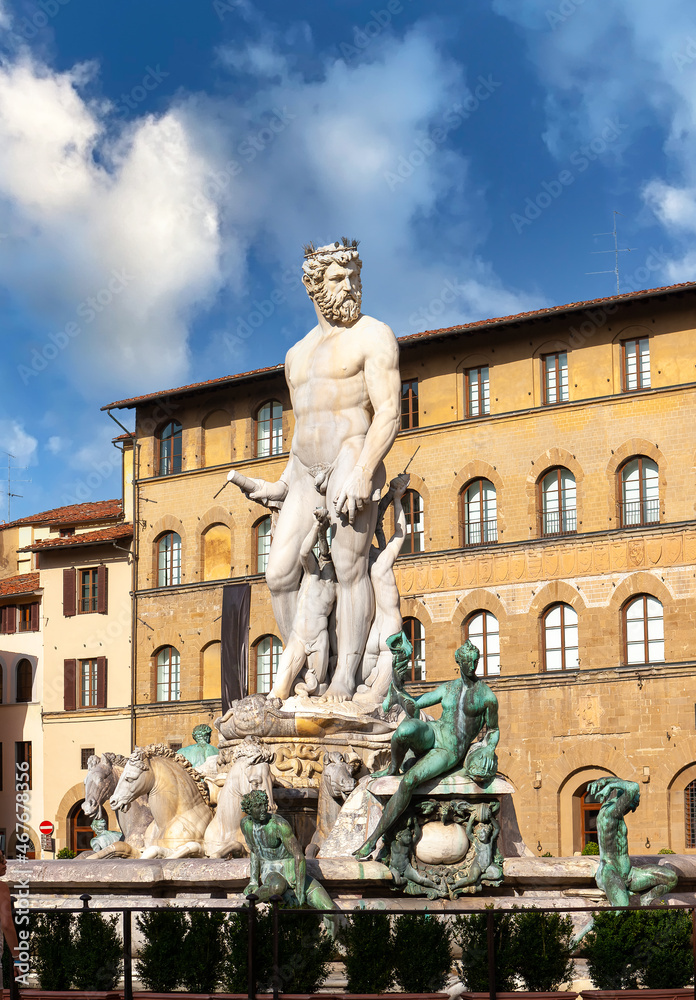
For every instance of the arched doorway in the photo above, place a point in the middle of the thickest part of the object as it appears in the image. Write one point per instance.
(79, 829)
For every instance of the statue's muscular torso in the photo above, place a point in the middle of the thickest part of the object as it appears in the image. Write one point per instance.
(326, 376)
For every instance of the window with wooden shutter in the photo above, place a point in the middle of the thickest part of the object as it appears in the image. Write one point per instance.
(102, 596)
(35, 616)
(69, 685)
(9, 618)
(101, 682)
(69, 592)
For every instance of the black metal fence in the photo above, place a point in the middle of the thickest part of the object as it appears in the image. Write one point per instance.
(250, 911)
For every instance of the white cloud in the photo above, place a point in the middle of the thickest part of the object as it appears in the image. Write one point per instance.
(350, 154)
(172, 204)
(55, 444)
(81, 207)
(15, 440)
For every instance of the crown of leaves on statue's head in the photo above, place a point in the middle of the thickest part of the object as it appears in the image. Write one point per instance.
(311, 251)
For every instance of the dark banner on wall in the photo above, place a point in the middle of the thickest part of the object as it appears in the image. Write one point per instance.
(234, 663)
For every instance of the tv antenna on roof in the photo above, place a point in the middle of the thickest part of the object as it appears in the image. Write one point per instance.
(10, 494)
(616, 251)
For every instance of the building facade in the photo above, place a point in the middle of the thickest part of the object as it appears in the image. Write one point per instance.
(65, 656)
(551, 519)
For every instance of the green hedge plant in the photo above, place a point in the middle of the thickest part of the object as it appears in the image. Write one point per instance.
(160, 967)
(52, 951)
(368, 957)
(98, 952)
(421, 951)
(471, 934)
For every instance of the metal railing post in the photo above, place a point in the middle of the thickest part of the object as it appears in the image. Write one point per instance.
(127, 957)
(693, 943)
(251, 950)
(275, 900)
(490, 937)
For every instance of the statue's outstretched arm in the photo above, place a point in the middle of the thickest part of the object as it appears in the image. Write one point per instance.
(292, 844)
(492, 729)
(432, 697)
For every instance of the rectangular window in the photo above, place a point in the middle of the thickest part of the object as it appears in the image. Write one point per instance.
(25, 617)
(476, 392)
(88, 590)
(88, 684)
(555, 378)
(85, 754)
(9, 619)
(409, 404)
(23, 757)
(636, 364)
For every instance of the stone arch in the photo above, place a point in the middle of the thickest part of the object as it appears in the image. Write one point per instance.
(572, 769)
(553, 458)
(683, 772)
(33, 836)
(165, 523)
(644, 582)
(476, 469)
(632, 448)
(70, 799)
(217, 438)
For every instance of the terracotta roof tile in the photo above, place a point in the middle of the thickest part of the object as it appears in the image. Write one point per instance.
(410, 338)
(77, 513)
(25, 583)
(86, 538)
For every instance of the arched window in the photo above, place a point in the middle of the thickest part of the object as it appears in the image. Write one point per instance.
(24, 680)
(479, 513)
(644, 631)
(169, 560)
(412, 504)
(416, 636)
(269, 429)
(268, 650)
(690, 814)
(560, 638)
(483, 630)
(640, 492)
(217, 552)
(557, 502)
(80, 831)
(169, 460)
(262, 543)
(168, 674)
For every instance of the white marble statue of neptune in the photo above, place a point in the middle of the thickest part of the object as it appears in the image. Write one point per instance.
(345, 392)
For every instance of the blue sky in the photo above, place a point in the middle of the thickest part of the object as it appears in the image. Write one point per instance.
(162, 163)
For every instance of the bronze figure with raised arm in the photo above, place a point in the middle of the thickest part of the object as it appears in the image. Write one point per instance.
(345, 391)
(615, 874)
(440, 745)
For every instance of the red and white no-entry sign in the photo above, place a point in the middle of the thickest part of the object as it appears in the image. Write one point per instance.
(46, 827)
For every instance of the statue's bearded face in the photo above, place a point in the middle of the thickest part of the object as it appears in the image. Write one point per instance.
(340, 293)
